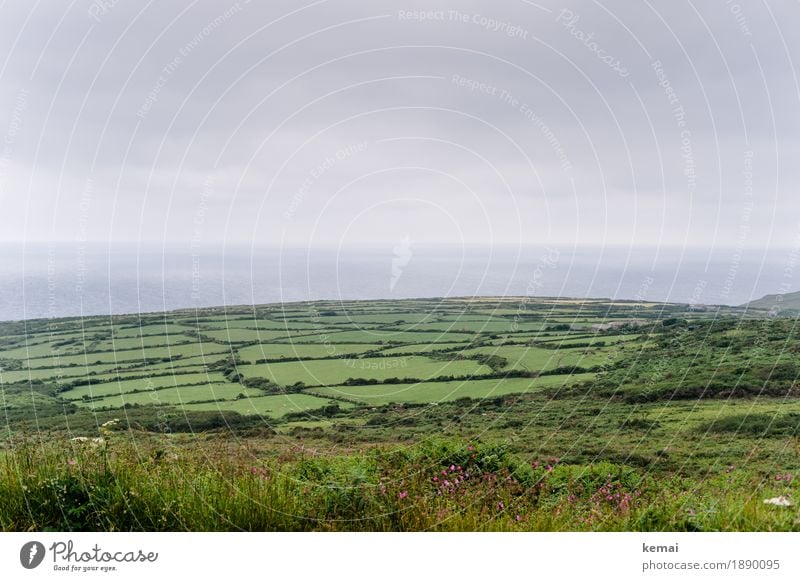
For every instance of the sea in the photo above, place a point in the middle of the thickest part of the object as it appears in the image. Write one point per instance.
(81, 279)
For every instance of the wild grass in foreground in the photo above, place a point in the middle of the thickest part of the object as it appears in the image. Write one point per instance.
(120, 483)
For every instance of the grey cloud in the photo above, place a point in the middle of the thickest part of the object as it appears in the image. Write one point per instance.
(145, 105)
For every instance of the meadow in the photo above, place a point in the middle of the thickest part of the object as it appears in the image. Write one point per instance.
(539, 414)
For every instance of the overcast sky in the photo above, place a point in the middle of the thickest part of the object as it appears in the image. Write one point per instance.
(335, 122)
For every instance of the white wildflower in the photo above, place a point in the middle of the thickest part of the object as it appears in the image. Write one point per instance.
(779, 501)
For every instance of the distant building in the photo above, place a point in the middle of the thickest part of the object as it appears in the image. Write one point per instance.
(616, 324)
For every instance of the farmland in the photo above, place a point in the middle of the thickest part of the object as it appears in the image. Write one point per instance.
(427, 347)
(699, 404)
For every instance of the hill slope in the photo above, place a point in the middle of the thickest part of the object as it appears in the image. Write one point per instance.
(786, 303)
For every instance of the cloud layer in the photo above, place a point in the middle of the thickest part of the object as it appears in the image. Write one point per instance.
(364, 123)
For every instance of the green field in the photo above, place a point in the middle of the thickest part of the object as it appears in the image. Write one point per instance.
(337, 371)
(207, 392)
(239, 335)
(538, 359)
(424, 348)
(447, 390)
(273, 351)
(692, 414)
(132, 355)
(383, 337)
(142, 384)
(273, 406)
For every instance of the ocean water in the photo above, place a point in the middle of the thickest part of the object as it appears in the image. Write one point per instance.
(39, 281)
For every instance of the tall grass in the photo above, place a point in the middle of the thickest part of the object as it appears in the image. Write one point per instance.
(129, 484)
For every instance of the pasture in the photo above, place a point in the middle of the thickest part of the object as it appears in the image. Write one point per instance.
(702, 403)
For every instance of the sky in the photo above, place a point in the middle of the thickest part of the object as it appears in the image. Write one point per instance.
(373, 123)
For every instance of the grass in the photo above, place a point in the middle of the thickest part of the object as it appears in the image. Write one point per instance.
(174, 396)
(162, 369)
(57, 373)
(337, 371)
(273, 406)
(133, 355)
(142, 384)
(538, 359)
(440, 391)
(139, 342)
(423, 348)
(298, 351)
(787, 424)
(40, 349)
(236, 335)
(692, 418)
(142, 328)
(380, 336)
(378, 319)
(170, 485)
(256, 324)
(591, 340)
(479, 326)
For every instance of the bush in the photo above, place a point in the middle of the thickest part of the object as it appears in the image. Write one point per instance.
(781, 425)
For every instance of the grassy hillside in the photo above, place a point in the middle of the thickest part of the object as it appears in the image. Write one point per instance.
(690, 415)
(785, 304)
(438, 485)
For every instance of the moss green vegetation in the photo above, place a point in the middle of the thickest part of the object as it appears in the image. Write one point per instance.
(274, 406)
(292, 351)
(208, 485)
(541, 359)
(540, 414)
(205, 392)
(351, 370)
(99, 390)
(434, 392)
